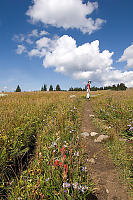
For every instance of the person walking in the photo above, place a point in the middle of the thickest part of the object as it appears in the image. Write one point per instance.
(88, 90)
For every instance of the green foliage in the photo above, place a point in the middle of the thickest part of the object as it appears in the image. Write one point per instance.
(71, 89)
(115, 116)
(50, 124)
(51, 88)
(75, 89)
(58, 87)
(44, 87)
(120, 86)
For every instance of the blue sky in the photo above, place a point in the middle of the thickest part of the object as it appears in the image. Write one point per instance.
(66, 45)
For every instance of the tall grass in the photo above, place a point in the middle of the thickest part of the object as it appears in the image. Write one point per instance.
(49, 124)
(114, 116)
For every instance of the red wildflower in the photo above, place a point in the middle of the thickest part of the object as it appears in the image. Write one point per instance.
(65, 168)
(65, 171)
(64, 156)
(61, 163)
(56, 163)
(63, 149)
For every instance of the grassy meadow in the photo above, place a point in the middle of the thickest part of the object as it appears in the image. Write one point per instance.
(114, 116)
(45, 125)
(40, 154)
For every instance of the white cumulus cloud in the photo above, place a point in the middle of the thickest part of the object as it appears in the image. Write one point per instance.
(69, 58)
(20, 49)
(44, 33)
(127, 56)
(82, 62)
(85, 62)
(34, 33)
(18, 38)
(43, 42)
(29, 41)
(37, 52)
(66, 14)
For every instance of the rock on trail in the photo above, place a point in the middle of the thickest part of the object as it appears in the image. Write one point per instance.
(101, 138)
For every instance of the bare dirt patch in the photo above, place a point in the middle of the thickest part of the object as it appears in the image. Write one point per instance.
(102, 170)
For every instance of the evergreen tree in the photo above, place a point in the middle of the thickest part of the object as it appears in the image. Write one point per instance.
(122, 86)
(58, 87)
(42, 89)
(70, 89)
(51, 88)
(114, 87)
(18, 89)
(118, 87)
(45, 87)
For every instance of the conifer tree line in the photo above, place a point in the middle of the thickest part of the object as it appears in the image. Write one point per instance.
(44, 88)
(117, 87)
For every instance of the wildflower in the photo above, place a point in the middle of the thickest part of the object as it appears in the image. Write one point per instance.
(56, 163)
(11, 182)
(65, 167)
(129, 125)
(75, 185)
(83, 189)
(47, 179)
(54, 143)
(65, 171)
(79, 187)
(86, 187)
(76, 154)
(66, 185)
(64, 156)
(40, 156)
(84, 169)
(63, 149)
(57, 139)
(131, 128)
(61, 164)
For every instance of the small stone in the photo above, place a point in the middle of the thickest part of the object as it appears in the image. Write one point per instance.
(107, 191)
(93, 134)
(2, 95)
(72, 96)
(92, 115)
(101, 137)
(85, 134)
(92, 161)
(122, 140)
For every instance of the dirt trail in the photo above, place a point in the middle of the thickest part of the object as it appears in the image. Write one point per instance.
(102, 169)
